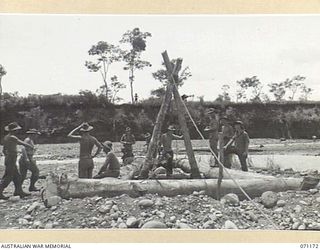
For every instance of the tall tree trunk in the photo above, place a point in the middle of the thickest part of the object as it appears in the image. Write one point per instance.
(131, 84)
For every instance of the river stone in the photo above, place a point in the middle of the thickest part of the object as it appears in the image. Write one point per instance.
(132, 222)
(154, 224)
(23, 221)
(145, 203)
(281, 203)
(210, 224)
(313, 191)
(182, 225)
(14, 198)
(49, 225)
(302, 227)
(230, 199)
(269, 199)
(252, 216)
(53, 201)
(172, 218)
(318, 200)
(230, 225)
(297, 209)
(278, 210)
(104, 209)
(34, 206)
(122, 225)
(295, 225)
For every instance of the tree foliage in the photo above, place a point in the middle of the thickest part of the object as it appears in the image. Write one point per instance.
(2, 73)
(161, 76)
(136, 40)
(105, 54)
(251, 85)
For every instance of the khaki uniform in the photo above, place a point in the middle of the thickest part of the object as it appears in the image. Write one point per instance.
(11, 170)
(26, 162)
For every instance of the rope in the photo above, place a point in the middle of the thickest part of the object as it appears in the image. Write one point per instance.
(224, 168)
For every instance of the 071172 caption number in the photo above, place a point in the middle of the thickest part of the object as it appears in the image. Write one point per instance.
(309, 245)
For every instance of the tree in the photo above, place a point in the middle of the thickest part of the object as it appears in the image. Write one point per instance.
(136, 39)
(161, 76)
(106, 54)
(224, 97)
(278, 90)
(306, 92)
(252, 84)
(294, 84)
(2, 73)
(116, 86)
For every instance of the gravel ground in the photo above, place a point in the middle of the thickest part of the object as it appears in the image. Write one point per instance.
(290, 210)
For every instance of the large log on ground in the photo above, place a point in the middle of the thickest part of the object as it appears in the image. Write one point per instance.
(109, 187)
(213, 172)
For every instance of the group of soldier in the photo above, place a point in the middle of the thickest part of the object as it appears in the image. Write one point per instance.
(222, 133)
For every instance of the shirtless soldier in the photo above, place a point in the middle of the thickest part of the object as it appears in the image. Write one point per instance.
(111, 166)
(167, 152)
(27, 162)
(127, 140)
(10, 151)
(87, 142)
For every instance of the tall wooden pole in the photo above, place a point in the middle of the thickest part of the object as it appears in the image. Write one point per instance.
(221, 159)
(195, 173)
(147, 165)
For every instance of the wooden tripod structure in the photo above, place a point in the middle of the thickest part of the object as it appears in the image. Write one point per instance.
(173, 77)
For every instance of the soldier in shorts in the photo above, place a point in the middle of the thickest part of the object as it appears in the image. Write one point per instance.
(10, 152)
(27, 162)
(87, 142)
(111, 166)
(167, 152)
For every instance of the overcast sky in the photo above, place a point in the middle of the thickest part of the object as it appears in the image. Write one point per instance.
(45, 54)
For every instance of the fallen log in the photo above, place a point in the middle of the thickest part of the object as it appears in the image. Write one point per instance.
(67, 188)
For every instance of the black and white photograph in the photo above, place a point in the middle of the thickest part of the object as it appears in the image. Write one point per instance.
(181, 122)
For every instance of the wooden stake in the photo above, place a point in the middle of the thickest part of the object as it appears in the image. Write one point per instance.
(221, 159)
(156, 134)
(181, 115)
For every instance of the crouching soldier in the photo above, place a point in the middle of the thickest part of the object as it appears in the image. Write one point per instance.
(10, 152)
(27, 162)
(111, 166)
(241, 147)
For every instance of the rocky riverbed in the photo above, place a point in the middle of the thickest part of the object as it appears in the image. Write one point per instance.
(291, 210)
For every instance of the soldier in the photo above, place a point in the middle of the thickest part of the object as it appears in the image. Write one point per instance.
(147, 138)
(227, 134)
(167, 152)
(87, 142)
(241, 147)
(111, 167)
(10, 151)
(27, 162)
(127, 141)
(213, 129)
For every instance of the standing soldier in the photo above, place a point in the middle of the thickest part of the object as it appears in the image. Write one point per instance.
(241, 147)
(127, 141)
(10, 151)
(147, 138)
(27, 162)
(87, 142)
(227, 133)
(213, 130)
(167, 152)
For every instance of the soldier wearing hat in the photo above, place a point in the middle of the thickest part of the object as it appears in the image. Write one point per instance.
(87, 142)
(10, 152)
(27, 162)
(227, 133)
(213, 129)
(111, 166)
(167, 152)
(127, 141)
(147, 138)
(241, 144)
